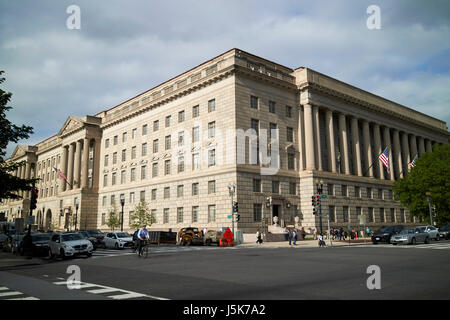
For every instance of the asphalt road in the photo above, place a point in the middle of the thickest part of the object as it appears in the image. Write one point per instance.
(245, 273)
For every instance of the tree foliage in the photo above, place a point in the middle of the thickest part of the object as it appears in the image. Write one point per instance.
(113, 219)
(9, 184)
(141, 216)
(431, 174)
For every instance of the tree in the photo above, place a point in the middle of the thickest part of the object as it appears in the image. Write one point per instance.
(141, 216)
(430, 174)
(113, 219)
(10, 184)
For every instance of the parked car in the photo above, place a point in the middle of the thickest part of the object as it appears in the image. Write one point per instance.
(385, 233)
(69, 245)
(411, 236)
(92, 239)
(97, 234)
(444, 232)
(39, 244)
(118, 240)
(212, 237)
(432, 231)
(3, 239)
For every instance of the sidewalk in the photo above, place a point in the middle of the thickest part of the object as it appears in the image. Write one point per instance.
(304, 244)
(10, 261)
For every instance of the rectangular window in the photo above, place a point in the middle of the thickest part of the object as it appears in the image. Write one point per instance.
(369, 193)
(211, 213)
(271, 107)
(133, 174)
(142, 195)
(179, 215)
(167, 193)
(370, 215)
(154, 194)
(195, 161)
(291, 161)
(254, 102)
(195, 214)
(105, 180)
(211, 105)
(155, 169)
(103, 218)
(292, 188)
(211, 157)
(166, 215)
(196, 134)
(275, 187)
(382, 217)
(168, 120)
(357, 192)
(180, 191)
(288, 112)
(114, 157)
(402, 215)
(181, 138)
(124, 155)
(195, 189)
(133, 152)
(358, 212)
(212, 187)
(156, 125)
(143, 172)
(167, 167)
(115, 140)
(132, 198)
(123, 177)
(106, 143)
(257, 212)
(104, 201)
(393, 215)
(380, 193)
(133, 133)
(181, 116)
(155, 146)
(180, 164)
(256, 185)
(106, 160)
(345, 213)
(168, 142)
(124, 137)
(332, 213)
(195, 111)
(144, 129)
(113, 200)
(290, 134)
(330, 189)
(212, 129)
(113, 181)
(144, 149)
(344, 191)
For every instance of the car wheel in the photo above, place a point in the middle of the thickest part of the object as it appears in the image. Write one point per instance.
(427, 240)
(116, 246)
(438, 238)
(62, 254)
(50, 254)
(413, 241)
(189, 242)
(208, 242)
(89, 254)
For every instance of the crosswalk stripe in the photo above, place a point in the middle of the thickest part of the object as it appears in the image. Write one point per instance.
(106, 290)
(3, 288)
(127, 296)
(26, 298)
(10, 293)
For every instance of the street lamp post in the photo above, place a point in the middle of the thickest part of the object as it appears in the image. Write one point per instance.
(232, 190)
(76, 212)
(429, 206)
(319, 189)
(122, 203)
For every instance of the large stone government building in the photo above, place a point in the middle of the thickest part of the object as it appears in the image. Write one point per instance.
(173, 146)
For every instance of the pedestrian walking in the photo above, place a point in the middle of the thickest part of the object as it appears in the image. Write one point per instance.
(321, 242)
(294, 236)
(258, 237)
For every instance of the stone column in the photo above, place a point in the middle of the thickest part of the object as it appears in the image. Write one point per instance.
(405, 152)
(318, 145)
(429, 148)
(367, 148)
(387, 141)
(330, 142)
(356, 148)
(76, 178)
(398, 154)
(301, 137)
(413, 145)
(85, 163)
(63, 168)
(309, 138)
(421, 146)
(70, 166)
(377, 146)
(344, 144)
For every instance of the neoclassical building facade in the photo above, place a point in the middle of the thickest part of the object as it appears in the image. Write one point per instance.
(270, 130)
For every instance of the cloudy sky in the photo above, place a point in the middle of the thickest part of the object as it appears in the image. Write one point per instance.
(126, 47)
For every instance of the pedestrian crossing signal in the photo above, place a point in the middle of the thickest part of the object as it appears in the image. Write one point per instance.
(34, 196)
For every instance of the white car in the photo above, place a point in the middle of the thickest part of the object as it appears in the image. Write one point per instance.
(118, 240)
(69, 245)
(432, 231)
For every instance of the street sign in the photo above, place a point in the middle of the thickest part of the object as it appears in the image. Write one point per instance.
(29, 220)
(228, 235)
(323, 196)
(229, 216)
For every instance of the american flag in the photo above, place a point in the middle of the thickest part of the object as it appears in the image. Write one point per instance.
(384, 157)
(60, 174)
(413, 163)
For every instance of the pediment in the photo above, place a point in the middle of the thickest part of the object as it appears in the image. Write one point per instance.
(72, 124)
(18, 151)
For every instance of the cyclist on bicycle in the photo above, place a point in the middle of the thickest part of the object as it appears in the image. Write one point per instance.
(143, 235)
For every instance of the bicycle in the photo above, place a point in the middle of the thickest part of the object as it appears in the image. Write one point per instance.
(143, 252)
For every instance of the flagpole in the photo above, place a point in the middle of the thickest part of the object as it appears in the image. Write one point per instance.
(378, 158)
(65, 178)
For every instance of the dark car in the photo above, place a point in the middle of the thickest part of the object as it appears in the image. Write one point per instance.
(39, 244)
(98, 235)
(385, 234)
(86, 236)
(444, 232)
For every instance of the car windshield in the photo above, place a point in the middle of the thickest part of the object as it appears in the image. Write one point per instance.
(40, 237)
(444, 228)
(123, 235)
(422, 229)
(84, 234)
(406, 231)
(71, 237)
(386, 229)
(94, 232)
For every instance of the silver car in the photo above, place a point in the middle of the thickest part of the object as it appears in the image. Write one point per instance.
(432, 231)
(411, 236)
(69, 245)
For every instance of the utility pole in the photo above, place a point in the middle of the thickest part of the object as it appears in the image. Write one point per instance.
(232, 190)
(429, 207)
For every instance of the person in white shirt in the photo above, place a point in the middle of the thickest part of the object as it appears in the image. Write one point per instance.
(321, 242)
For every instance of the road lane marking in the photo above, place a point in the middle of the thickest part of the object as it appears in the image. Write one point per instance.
(3, 288)
(106, 290)
(127, 296)
(27, 298)
(10, 293)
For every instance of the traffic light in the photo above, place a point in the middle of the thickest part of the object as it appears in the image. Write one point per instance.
(313, 201)
(34, 196)
(318, 201)
(235, 207)
(237, 217)
(314, 211)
